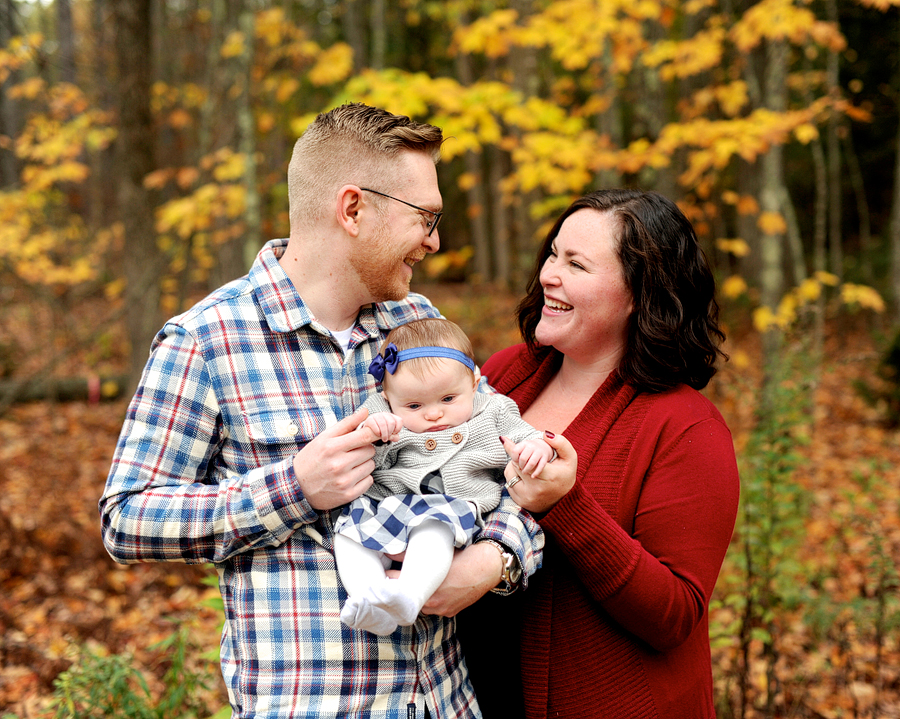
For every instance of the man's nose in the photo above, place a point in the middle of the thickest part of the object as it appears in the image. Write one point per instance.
(432, 242)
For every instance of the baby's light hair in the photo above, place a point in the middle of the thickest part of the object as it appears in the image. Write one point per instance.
(430, 332)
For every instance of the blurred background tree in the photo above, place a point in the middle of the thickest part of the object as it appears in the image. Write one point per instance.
(144, 143)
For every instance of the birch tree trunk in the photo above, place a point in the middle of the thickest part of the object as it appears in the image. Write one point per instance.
(772, 191)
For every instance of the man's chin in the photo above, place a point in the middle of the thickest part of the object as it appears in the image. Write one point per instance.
(393, 295)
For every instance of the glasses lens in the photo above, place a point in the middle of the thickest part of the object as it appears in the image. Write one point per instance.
(437, 219)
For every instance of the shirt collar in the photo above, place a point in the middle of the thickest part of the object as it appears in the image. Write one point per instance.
(284, 308)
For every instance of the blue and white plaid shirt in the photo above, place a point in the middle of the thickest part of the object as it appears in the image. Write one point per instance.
(203, 472)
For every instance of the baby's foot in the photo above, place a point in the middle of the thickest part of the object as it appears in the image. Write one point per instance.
(390, 597)
(360, 613)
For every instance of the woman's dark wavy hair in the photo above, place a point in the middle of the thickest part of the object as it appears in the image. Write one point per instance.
(673, 332)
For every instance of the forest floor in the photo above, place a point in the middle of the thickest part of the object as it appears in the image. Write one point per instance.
(838, 656)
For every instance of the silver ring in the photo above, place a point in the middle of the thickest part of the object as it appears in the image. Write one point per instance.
(513, 482)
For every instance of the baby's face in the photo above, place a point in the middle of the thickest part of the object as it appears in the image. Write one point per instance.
(439, 400)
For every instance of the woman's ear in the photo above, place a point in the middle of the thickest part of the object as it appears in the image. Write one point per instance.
(349, 205)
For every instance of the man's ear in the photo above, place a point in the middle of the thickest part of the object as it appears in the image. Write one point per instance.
(347, 209)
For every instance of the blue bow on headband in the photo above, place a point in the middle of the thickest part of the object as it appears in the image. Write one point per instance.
(389, 362)
(392, 358)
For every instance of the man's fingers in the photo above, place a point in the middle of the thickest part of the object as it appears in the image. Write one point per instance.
(347, 425)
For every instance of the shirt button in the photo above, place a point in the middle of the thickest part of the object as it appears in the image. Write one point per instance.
(430, 444)
(456, 438)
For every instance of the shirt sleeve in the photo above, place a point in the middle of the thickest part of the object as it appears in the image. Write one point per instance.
(517, 530)
(162, 501)
(656, 582)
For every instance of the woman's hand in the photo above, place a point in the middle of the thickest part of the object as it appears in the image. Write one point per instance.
(540, 492)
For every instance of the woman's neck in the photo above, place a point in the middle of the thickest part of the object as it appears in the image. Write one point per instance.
(580, 379)
(566, 394)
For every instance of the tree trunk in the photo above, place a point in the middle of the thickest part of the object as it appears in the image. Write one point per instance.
(354, 31)
(379, 34)
(771, 192)
(499, 217)
(854, 174)
(895, 234)
(524, 67)
(609, 122)
(64, 35)
(143, 260)
(9, 120)
(835, 196)
(476, 200)
(252, 240)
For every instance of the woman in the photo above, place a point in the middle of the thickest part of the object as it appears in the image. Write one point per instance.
(620, 328)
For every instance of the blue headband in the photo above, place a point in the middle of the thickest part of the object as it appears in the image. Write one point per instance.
(392, 358)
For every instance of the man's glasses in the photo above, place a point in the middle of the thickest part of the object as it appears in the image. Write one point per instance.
(432, 226)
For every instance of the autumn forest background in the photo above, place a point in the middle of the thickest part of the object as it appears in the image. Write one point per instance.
(143, 153)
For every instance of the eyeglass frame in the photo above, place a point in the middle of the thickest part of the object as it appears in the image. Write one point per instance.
(437, 215)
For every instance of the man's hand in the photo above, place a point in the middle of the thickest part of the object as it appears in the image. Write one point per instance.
(336, 467)
(474, 572)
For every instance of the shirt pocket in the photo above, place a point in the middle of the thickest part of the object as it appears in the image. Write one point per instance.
(267, 435)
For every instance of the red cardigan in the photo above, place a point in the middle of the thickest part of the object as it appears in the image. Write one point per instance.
(615, 622)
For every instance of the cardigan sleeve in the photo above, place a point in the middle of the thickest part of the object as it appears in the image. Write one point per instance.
(656, 582)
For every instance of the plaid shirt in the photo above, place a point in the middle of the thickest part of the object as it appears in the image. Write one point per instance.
(203, 472)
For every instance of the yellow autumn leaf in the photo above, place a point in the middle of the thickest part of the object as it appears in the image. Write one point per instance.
(187, 176)
(764, 319)
(862, 295)
(827, 278)
(467, 181)
(28, 89)
(231, 168)
(772, 223)
(233, 45)
(158, 179)
(333, 65)
(810, 289)
(747, 205)
(734, 286)
(737, 246)
(806, 133)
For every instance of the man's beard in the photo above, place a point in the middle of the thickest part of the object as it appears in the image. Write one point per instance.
(380, 269)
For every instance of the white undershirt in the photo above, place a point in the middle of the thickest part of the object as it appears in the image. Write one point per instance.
(343, 337)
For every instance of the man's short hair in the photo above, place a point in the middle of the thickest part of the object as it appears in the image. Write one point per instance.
(353, 144)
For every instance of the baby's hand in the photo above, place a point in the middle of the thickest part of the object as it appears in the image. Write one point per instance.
(384, 425)
(530, 455)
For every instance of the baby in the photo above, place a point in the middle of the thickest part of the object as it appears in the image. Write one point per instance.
(437, 471)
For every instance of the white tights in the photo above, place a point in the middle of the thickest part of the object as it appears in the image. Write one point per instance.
(378, 604)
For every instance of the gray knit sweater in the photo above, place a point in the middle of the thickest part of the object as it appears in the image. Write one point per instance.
(469, 457)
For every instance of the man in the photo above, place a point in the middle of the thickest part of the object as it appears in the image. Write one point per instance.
(239, 445)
